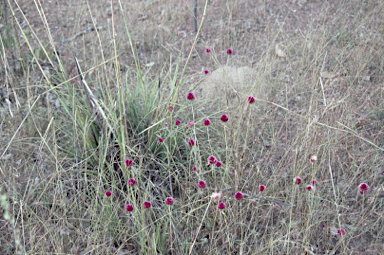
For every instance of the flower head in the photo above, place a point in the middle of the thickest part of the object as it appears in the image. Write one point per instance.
(251, 99)
(190, 124)
(313, 158)
(131, 182)
(309, 187)
(169, 201)
(216, 196)
(202, 184)
(208, 50)
(129, 208)
(313, 182)
(218, 164)
(146, 204)
(108, 193)
(221, 205)
(170, 108)
(212, 160)
(229, 51)
(166, 125)
(190, 96)
(224, 118)
(206, 71)
(239, 195)
(261, 188)
(340, 232)
(191, 142)
(128, 162)
(161, 140)
(207, 122)
(363, 188)
(194, 168)
(297, 180)
(177, 122)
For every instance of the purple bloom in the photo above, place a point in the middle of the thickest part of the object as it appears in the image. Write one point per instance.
(161, 140)
(363, 188)
(146, 204)
(229, 51)
(169, 201)
(191, 142)
(207, 122)
(206, 72)
(239, 196)
(131, 182)
(202, 184)
(108, 193)
(129, 208)
(221, 205)
(177, 122)
(194, 168)
(297, 180)
(261, 188)
(208, 50)
(251, 99)
(218, 164)
(224, 118)
(190, 96)
(211, 160)
(128, 162)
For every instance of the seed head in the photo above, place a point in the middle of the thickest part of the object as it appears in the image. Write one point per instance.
(216, 196)
(108, 193)
(190, 96)
(170, 108)
(261, 188)
(212, 160)
(169, 201)
(161, 140)
(341, 232)
(190, 124)
(221, 205)
(146, 204)
(207, 122)
(202, 184)
(363, 188)
(239, 196)
(297, 180)
(191, 142)
(208, 50)
(313, 158)
(128, 162)
(206, 72)
(194, 168)
(129, 208)
(229, 51)
(251, 99)
(177, 122)
(131, 182)
(224, 118)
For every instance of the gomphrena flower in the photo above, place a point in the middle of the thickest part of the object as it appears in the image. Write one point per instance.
(261, 188)
(207, 122)
(313, 182)
(297, 180)
(208, 50)
(224, 118)
(170, 108)
(229, 51)
(221, 205)
(161, 140)
(146, 204)
(341, 232)
(190, 96)
(239, 195)
(194, 168)
(128, 162)
(206, 71)
(108, 193)
(129, 208)
(131, 182)
(191, 142)
(212, 160)
(312, 158)
(251, 99)
(190, 124)
(218, 164)
(169, 201)
(177, 122)
(309, 187)
(216, 195)
(202, 184)
(363, 188)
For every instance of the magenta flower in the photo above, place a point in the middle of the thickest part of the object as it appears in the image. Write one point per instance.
(207, 122)
(313, 158)
(146, 204)
(313, 182)
(218, 164)
(169, 201)
(309, 187)
(363, 188)
(206, 72)
(297, 180)
(161, 140)
(208, 50)
(177, 122)
(191, 142)
(128, 162)
(251, 99)
(129, 208)
(170, 108)
(224, 118)
(211, 160)
(323, 226)
(340, 232)
(194, 168)
(166, 125)
(190, 96)
(239, 196)
(190, 124)
(221, 205)
(261, 188)
(229, 51)
(202, 184)
(108, 193)
(131, 182)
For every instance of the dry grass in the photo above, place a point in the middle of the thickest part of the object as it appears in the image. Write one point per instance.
(61, 149)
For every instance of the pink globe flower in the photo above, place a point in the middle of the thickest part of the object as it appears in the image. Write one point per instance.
(169, 201)
(190, 96)
(202, 184)
(208, 50)
(312, 158)
(170, 108)
(146, 204)
(177, 122)
(239, 196)
(206, 72)
(251, 99)
(194, 168)
(190, 124)
(128, 162)
(212, 160)
(207, 122)
(297, 180)
(191, 142)
(166, 125)
(313, 182)
(341, 232)
(261, 188)
(131, 182)
(224, 118)
(229, 51)
(108, 193)
(129, 208)
(161, 140)
(309, 187)
(363, 188)
(218, 164)
(221, 205)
